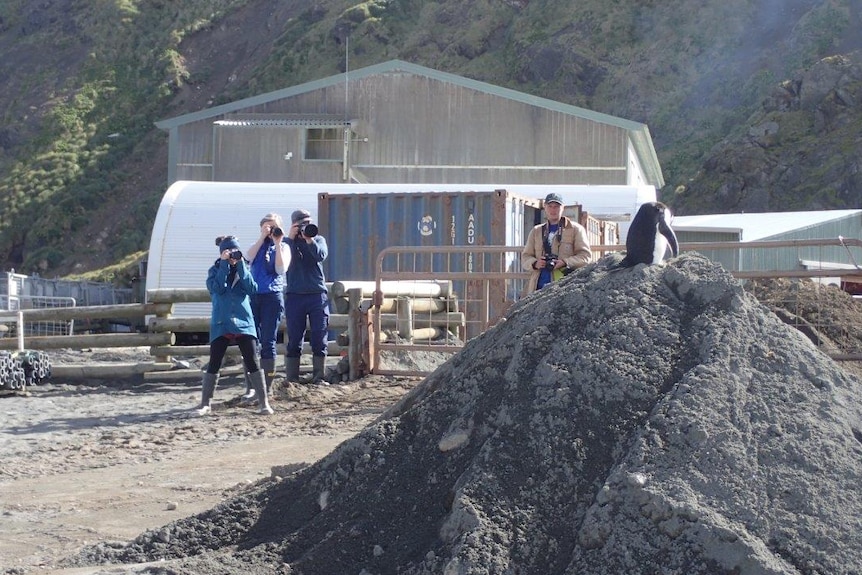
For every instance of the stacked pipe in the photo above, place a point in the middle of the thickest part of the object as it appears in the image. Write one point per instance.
(20, 369)
(37, 366)
(11, 371)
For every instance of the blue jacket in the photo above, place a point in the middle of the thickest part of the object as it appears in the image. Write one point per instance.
(231, 313)
(263, 269)
(305, 272)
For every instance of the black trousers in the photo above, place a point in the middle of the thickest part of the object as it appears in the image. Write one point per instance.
(246, 343)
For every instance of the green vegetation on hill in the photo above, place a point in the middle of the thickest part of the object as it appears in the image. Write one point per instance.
(82, 167)
(122, 66)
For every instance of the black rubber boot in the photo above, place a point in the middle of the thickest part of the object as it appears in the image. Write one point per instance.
(318, 366)
(259, 384)
(267, 365)
(291, 369)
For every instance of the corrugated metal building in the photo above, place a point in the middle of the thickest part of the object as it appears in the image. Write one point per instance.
(398, 122)
(775, 226)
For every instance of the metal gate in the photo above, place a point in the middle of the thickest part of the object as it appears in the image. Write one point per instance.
(13, 299)
(487, 280)
(484, 283)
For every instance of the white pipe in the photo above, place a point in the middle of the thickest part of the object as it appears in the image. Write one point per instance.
(20, 331)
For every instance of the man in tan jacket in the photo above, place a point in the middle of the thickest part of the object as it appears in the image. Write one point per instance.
(555, 247)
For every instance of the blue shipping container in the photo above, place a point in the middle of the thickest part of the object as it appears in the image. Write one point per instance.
(358, 226)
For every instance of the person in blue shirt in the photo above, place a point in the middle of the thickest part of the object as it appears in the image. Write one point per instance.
(269, 257)
(231, 285)
(306, 300)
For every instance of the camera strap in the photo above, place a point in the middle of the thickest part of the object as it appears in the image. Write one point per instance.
(546, 232)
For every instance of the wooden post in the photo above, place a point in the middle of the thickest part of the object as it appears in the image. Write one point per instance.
(89, 312)
(372, 329)
(178, 295)
(81, 341)
(368, 342)
(333, 349)
(354, 327)
(164, 315)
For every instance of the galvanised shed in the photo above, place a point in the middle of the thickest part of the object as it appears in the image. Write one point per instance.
(398, 122)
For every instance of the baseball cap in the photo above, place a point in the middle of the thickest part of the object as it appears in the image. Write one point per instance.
(554, 197)
(299, 215)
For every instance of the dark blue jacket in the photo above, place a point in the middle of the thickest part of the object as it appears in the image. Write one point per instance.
(305, 272)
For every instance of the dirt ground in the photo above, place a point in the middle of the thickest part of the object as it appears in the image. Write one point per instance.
(87, 462)
(104, 461)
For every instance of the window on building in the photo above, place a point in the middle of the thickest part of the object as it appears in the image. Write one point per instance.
(324, 144)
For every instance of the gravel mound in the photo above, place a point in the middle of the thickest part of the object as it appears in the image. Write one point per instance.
(647, 420)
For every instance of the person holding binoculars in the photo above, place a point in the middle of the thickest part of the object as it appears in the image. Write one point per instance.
(555, 247)
(269, 257)
(306, 300)
(231, 285)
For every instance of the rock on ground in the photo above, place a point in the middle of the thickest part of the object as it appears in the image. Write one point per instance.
(645, 420)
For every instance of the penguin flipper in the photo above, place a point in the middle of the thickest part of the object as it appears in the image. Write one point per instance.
(672, 242)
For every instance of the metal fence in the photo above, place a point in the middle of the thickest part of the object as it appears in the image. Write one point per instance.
(23, 292)
(37, 328)
(13, 297)
(488, 280)
(84, 292)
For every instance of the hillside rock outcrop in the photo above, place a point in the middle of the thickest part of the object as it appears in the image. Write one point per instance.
(799, 153)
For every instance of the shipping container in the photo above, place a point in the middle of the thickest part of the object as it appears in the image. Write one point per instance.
(358, 226)
(611, 233)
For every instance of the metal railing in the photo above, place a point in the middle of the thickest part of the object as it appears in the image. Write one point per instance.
(16, 303)
(488, 280)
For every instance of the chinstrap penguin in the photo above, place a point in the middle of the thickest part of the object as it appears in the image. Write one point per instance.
(649, 236)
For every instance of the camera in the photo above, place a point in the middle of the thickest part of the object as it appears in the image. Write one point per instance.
(235, 255)
(276, 231)
(550, 260)
(308, 230)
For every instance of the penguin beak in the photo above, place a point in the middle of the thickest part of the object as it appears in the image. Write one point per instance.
(665, 230)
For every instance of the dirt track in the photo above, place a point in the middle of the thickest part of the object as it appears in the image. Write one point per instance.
(105, 461)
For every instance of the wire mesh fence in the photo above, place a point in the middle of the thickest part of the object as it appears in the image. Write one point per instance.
(36, 328)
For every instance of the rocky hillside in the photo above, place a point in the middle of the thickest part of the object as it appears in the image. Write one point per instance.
(752, 105)
(799, 151)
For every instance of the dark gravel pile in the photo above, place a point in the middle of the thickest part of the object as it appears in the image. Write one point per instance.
(654, 420)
